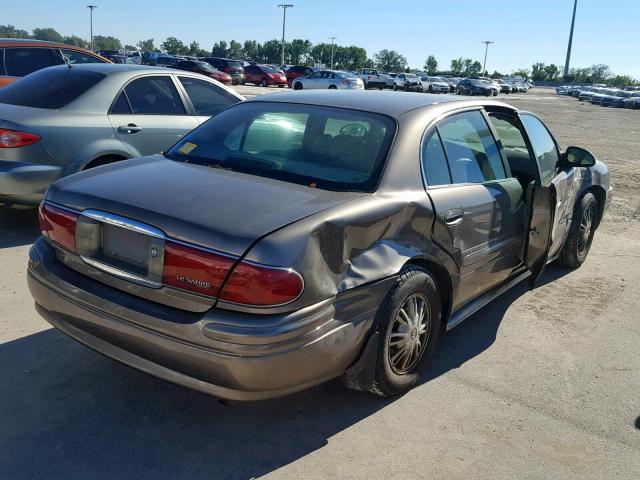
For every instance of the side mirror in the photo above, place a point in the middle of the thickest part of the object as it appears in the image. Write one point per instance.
(579, 157)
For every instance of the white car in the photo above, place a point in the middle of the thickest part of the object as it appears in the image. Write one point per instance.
(434, 85)
(331, 79)
(408, 82)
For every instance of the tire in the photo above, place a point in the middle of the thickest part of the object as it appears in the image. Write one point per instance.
(298, 86)
(398, 369)
(430, 88)
(395, 87)
(332, 87)
(583, 226)
(264, 83)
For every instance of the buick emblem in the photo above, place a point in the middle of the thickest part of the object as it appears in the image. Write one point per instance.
(154, 252)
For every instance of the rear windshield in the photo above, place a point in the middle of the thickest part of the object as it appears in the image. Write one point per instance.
(233, 64)
(329, 148)
(268, 69)
(51, 88)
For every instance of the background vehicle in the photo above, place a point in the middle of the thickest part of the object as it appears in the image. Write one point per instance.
(408, 82)
(469, 86)
(452, 82)
(264, 75)
(135, 57)
(226, 65)
(90, 115)
(297, 71)
(434, 85)
(330, 79)
(19, 58)
(167, 61)
(203, 68)
(350, 258)
(373, 78)
(632, 102)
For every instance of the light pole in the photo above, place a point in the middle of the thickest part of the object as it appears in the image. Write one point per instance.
(284, 7)
(573, 21)
(332, 40)
(91, 9)
(486, 49)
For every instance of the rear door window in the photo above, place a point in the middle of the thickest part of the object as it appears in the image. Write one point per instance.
(207, 99)
(434, 161)
(154, 95)
(74, 57)
(53, 88)
(20, 62)
(471, 149)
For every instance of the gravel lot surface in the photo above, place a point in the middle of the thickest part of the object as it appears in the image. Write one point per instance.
(539, 384)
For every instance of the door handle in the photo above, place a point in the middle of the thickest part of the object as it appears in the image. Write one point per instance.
(453, 217)
(129, 129)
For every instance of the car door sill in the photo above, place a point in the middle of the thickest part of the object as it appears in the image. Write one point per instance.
(472, 307)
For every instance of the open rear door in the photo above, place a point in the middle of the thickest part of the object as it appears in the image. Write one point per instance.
(542, 202)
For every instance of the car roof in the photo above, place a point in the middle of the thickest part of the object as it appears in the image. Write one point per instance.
(110, 68)
(28, 42)
(393, 104)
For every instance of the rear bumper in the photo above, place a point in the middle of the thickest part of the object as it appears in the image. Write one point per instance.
(23, 181)
(226, 354)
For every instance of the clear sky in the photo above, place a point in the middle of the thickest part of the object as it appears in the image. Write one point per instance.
(524, 31)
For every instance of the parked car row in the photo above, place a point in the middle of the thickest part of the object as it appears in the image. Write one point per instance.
(603, 96)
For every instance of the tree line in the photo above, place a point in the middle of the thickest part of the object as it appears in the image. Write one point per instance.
(303, 52)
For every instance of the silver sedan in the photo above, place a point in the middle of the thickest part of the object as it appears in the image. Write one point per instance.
(64, 119)
(331, 79)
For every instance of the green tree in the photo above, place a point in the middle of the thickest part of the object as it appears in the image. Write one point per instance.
(552, 72)
(599, 73)
(173, 46)
(9, 31)
(321, 53)
(457, 66)
(250, 50)
(297, 52)
(101, 42)
(47, 34)
(522, 72)
(623, 81)
(431, 65)
(75, 41)
(471, 68)
(147, 45)
(390, 61)
(235, 49)
(219, 49)
(130, 48)
(537, 71)
(270, 52)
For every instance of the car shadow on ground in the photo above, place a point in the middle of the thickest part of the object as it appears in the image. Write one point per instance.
(18, 227)
(69, 412)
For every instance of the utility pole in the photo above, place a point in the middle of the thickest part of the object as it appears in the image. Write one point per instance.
(573, 21)
(284, 7)
(332, 40)
(91, 9)
(486, 49)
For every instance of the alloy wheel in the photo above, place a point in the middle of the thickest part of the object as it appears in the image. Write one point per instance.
(409, 333)
(586, 226)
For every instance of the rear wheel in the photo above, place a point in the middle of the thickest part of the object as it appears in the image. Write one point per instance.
(395, 87)
(409, 326)
(332, 87)
(264, 83)
(297, 86)
(583, 226)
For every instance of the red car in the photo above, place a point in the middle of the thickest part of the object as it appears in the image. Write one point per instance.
(264, 75)
(205, 69)
(299, 71)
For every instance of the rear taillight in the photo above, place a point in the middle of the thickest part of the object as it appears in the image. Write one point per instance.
(58, 225)
(204, 272)
(16, 139)
(194, 269)
(260, 285)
